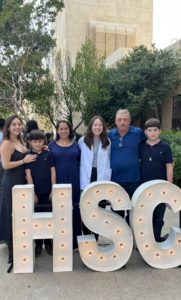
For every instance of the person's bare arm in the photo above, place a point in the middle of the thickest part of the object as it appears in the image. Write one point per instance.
(30, 181)
(169, 171)
(53, 179)
(6, 151)
(28, 176)
(53, 175)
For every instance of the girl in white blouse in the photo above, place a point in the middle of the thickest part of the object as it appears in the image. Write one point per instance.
(95, 153)
(95, 156)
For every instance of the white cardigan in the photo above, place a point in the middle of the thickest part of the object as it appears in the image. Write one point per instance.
(103, 163)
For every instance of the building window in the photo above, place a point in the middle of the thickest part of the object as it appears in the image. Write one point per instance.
(176, 118)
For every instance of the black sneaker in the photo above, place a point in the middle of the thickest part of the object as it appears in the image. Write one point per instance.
(163, 238)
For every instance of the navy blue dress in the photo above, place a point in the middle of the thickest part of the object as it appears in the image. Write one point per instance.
(67, 171)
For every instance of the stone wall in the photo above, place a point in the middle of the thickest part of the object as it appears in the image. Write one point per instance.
(115, 26)
(111, 24)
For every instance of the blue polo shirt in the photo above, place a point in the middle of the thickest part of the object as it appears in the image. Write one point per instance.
(154, 159)
(125, 155)
(41, 171)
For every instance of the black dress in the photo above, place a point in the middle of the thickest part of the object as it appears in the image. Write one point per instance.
(1, 198)
(10, 178)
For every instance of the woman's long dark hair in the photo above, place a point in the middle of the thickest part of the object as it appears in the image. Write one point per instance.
(71, 134)
(89, 136)
(8, 122)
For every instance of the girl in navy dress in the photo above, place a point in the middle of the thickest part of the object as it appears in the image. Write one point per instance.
(66, 154)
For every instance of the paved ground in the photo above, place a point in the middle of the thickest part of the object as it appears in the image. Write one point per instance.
(137, 281)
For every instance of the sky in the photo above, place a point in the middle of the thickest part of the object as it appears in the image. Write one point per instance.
(166, 22)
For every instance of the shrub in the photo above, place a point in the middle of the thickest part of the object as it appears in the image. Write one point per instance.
(173, 138)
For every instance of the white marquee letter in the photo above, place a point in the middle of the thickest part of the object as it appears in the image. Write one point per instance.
(158, 255)
(107, 223)
(28, 226)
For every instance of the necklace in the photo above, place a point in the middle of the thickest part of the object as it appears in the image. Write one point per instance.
(64, 143)
(149, 152)
(150, 149)
(19, 146)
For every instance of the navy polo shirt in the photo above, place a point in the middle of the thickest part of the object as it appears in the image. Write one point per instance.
(154, 159)
(41, 171)
(125, 155)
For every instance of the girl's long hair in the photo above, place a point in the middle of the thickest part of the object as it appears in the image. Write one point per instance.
(89, 136)
(8, 122)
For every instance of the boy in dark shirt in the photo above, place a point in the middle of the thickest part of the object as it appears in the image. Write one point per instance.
(41, 173)
(156, 163)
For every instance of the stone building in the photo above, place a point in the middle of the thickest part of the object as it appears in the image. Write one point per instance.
(171, 107)
(115, 26)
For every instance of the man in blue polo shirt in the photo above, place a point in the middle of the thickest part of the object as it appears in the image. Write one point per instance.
(125, 141)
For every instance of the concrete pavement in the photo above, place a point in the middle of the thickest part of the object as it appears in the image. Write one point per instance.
(137, 281)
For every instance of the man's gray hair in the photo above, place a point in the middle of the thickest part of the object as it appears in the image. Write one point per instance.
(123, 111)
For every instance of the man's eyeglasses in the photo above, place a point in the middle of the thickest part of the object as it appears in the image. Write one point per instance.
(120, 142)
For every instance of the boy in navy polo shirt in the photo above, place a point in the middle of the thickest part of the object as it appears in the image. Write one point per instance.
(156, 163)
(41, 173)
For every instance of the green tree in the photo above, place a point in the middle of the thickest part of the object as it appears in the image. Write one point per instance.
(43, 99)
(26, 42)
(141, 81)
(85, 87)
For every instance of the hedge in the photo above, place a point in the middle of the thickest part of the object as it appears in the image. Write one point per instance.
(173, 138)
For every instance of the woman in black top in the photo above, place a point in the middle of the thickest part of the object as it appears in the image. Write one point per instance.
(13, 156)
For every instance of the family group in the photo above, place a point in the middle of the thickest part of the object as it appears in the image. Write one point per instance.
(126, 155)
